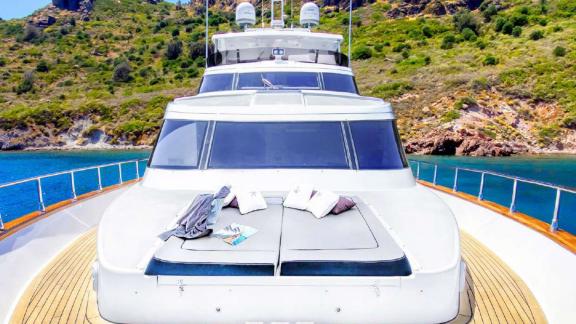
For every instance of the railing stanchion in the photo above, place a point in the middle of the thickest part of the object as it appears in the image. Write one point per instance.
(99, 179)
(1, 223)
(417, 170)
(554, 222)
(73, 185)
(455, 186)
(120, 173)
(137, 171)
(513, 201)
(40, 195)
(435, 173)
(481, 191)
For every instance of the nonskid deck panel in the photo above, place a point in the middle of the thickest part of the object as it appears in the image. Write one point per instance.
(62, 292)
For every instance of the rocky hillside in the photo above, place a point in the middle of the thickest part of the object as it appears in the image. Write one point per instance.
(470, 77)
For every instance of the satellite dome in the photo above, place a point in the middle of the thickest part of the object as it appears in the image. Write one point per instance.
(245, 14)
(309, 14)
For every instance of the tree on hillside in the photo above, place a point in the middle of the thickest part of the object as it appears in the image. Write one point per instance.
(465, 19)
(122, 72)
(196, 49)
(174, 50)
(27, 83)
(31, 33)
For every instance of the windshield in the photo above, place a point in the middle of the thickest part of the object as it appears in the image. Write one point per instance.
(179, 144)
(281, 145)
(258, 54)
(279, 81)
(278, 145)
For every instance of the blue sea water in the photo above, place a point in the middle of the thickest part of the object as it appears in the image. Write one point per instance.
(532, 200)
(21, 199)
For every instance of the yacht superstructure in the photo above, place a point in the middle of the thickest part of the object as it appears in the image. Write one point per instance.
(277, 108)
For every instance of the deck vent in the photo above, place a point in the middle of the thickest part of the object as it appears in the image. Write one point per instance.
(245, 15)
(309, 15)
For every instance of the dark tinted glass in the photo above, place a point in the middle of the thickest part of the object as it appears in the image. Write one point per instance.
(339, 82)
(377, 145)
(278, 80)
(179, 144)
(278, 145)
(216, 82)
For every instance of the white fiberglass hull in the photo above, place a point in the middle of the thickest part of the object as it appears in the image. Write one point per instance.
(134, 297)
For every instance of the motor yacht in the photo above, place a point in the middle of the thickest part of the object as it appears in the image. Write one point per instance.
(278, 108)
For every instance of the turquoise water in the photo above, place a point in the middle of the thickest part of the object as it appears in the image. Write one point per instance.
(533, 200)
(23, 198)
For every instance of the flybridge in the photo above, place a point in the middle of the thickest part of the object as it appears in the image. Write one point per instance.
(277, 42)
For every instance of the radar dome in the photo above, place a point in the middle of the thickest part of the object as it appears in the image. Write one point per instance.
(309, 14)
(245, 14)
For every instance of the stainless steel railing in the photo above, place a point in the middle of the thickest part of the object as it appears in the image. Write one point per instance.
(512, 208)
(72, 174)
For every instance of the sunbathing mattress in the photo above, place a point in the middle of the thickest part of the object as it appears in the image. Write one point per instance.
(353, 243)
(211, 256)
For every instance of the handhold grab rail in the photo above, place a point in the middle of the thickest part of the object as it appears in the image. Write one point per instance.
(72, 174)
(512, 208)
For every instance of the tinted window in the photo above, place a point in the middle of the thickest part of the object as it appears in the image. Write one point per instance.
(179, 144)
(278, 145)
(339, 82)
(278, 80)
(377, 145)
(216, 82)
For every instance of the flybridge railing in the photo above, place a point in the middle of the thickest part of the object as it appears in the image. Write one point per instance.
(533, 200)
(20, 200)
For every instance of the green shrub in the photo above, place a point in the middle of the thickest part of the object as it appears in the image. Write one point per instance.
(465, 19)
(2, 62)
(559, 51)
(31, 34)
(361, 52)
(392, 89)
(450, 116)
(378, 47)
(469, 35)
(508, 28)
(42, 66)
(465, 101)
(543, 22)
(122, 72)
(489, 12)
(173, 50)
(490, 60)
(448, 41)
(517, 31)
(27, 83)
(196, 49)
(519, 20)
(536, 35)
(499, 24)
(481, 44)
(401, 47)
(427, 31)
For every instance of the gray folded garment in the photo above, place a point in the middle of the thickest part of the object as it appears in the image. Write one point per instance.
(194, 223)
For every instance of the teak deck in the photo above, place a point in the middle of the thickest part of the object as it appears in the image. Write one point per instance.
(62, 292)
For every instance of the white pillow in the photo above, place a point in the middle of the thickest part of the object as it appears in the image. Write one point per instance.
(322, 203)
(249, 200)
(228, 199)
(298, 197)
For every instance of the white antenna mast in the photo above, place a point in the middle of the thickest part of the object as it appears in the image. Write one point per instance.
(350, 34)
(291, 12)
(206, 36)
(277, 22)
(262, 13)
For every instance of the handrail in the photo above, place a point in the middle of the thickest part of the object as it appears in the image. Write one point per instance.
(72, 174)
(512, 208)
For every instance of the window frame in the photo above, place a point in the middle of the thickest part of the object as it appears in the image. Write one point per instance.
(351, 155)
(319, 77)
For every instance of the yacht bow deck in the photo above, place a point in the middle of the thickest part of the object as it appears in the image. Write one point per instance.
(62, 292)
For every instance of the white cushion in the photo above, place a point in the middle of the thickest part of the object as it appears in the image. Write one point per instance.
(249, 200)
(298, 197)
(228, 199)
(322, 203)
